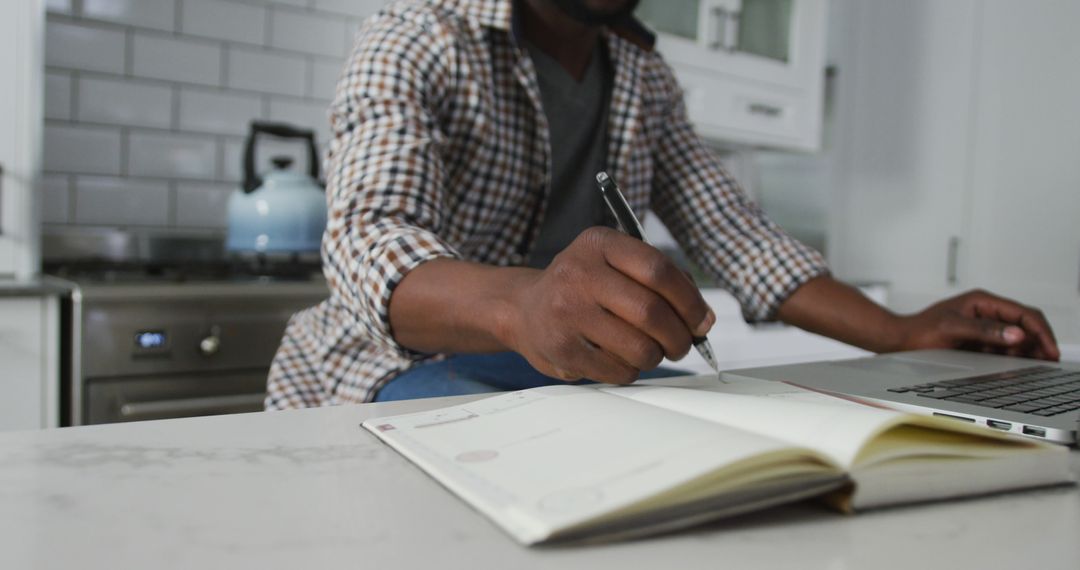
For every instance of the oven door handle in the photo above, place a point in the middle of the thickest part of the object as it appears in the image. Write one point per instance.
(209, 405)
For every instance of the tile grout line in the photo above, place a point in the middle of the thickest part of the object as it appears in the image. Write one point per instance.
(174, 120)
(73, 197)
(309, 77)
(171, 201)
(178, 18)
(76, 81)
(125, 148)
(129, 52)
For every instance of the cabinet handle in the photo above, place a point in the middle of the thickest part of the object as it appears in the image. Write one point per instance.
(954, 253)
(719, 27)
(771, 111)
(202, 406)
(731, 36)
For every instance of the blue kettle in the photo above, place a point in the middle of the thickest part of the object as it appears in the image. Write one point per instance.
(282, 212)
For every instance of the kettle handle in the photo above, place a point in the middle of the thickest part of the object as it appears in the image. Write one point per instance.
(281, 130)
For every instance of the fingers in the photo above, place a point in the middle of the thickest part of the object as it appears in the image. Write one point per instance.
(632, 304)
(653, 270)
(623, 341)
(990, 335)
(1036, 336)
(579, 358)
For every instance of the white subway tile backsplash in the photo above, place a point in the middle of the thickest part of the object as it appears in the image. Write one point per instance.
(324, 78)
(57, 95)
(188, 61)
(171, 155)
(362, 8)
(157, 14)
(202, 205)
(148, 101)
(122, 201)
(296, 3)
(58, 6)
(55, 198)
(224, 20)
(82, 149)
(267, 72)
(311, 33)
(124, 102)
(218, 112)
(302, 114)
(83, 46)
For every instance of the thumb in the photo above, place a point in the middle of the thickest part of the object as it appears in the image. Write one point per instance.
(987, 331)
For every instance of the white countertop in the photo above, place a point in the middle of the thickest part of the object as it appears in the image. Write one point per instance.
(37, 287)
(310, 489)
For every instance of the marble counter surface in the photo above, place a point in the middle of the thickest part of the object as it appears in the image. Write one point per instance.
(310, 489)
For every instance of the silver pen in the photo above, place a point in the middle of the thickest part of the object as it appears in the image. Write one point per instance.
(630, 225)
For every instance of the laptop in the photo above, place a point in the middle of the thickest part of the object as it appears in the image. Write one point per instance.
(1033, 398)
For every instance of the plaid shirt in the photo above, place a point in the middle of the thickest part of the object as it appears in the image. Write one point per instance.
(441, 150)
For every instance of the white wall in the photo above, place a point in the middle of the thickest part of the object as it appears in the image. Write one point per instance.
(958, 122)
(796, 189)
(20, 135)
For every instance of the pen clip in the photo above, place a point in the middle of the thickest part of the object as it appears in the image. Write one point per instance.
(620, 208)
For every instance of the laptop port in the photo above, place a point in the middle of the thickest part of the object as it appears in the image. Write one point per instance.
(952, 417)
(997, 424)
(1036, 431)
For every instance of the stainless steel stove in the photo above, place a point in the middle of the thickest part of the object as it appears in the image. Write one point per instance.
(165, 336)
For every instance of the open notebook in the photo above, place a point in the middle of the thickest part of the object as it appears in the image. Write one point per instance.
(575, 463)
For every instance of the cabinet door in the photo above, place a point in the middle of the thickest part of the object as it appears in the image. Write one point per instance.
(752, 70)
(774, 41)
(1026, 167)
(908, 93)
(28, 351)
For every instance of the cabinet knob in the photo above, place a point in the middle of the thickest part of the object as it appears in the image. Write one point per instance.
(211, 344)
(953, 255)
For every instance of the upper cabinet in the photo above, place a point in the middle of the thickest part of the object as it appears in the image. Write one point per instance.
(21, 63)
(752, 70)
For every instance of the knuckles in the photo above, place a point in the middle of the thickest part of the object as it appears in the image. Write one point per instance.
(646, 354)
(658, 270)
(594, 237)
(652, 313)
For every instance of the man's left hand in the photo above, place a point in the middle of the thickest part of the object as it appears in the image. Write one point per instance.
(981, 321)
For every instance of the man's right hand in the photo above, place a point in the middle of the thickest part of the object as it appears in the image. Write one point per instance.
(606, 308)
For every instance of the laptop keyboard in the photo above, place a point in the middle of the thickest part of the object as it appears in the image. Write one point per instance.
(1039, 390)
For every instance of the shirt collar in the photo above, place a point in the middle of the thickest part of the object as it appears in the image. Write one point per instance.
(505, 15)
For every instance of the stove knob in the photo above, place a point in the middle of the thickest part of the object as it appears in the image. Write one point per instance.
(210, 345)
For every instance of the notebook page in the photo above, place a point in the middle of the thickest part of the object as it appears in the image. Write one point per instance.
(544, 459)
(838, 431)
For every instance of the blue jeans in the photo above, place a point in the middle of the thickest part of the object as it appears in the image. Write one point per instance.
(477, 374)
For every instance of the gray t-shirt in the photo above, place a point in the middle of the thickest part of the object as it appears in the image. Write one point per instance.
(577, 124)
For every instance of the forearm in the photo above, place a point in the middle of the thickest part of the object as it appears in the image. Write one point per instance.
(448, 305)
(834, 309)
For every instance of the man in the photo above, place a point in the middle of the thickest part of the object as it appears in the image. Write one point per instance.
(466, 249)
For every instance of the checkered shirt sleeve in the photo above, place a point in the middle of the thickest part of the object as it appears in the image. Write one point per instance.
(718, 227)
(385, 181)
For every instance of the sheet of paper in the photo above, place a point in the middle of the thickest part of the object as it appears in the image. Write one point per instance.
(749, 387)
(838, 430)
(547, 458)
